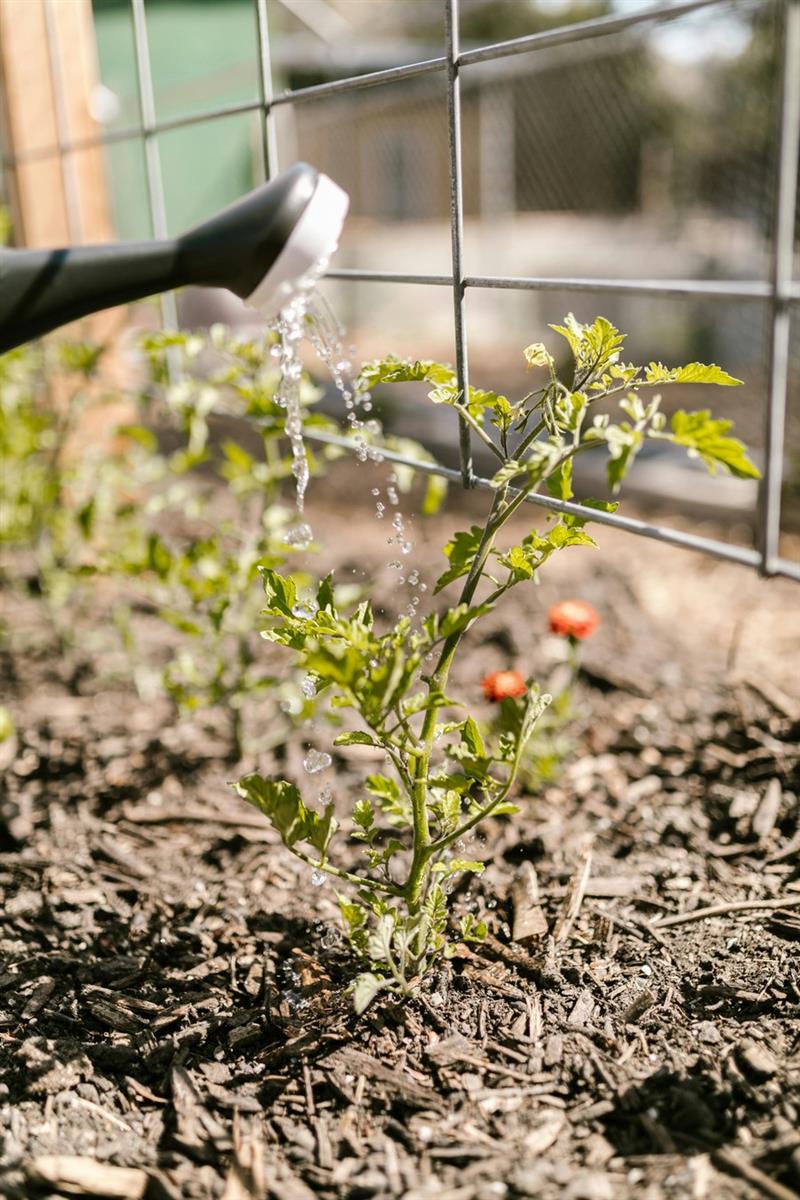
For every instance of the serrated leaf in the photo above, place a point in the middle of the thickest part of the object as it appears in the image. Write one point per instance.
(694, 372)
(705, 437)
(280, 591)
(363, 814)
(397, 370)
(519, 560)
(435, 909)
(458, 865)
(282, 805)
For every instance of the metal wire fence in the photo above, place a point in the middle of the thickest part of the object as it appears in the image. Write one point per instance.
(780, 291)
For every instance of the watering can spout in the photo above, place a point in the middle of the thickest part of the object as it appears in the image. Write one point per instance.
(261, 247)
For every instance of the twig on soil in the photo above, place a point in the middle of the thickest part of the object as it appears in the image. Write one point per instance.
(573, 900)
(719, 910)
(641, 930)
(729, 1160)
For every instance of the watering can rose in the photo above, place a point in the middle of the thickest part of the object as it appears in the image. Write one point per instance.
(501, 685)
(573, 618)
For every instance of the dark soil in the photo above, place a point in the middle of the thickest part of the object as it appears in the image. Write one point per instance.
(172, 1007)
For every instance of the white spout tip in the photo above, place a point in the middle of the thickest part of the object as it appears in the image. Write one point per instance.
(311, 244)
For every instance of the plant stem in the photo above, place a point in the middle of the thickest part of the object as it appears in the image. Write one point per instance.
(359, 880)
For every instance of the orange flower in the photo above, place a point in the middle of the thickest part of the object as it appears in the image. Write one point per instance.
(573, 619)
(502, 684)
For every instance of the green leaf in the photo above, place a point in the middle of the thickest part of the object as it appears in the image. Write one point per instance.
(364, 814)
(281, 592)
(393, 803)
(537, 355)
(358, 738)
(694, 372)
(624, 443)
(594, 347)
(365, 989)
(457, 619)
(705, 437)
(519, 561)
(435, 909)
(325, 598)
(398, 370)
(471, 737)
(458, 865)
(559, 483)
(355, 918)
(461, 551)
(380, 940)
(472, 930)
(283, 807)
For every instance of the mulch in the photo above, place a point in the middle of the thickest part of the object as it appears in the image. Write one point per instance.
(173, 1016)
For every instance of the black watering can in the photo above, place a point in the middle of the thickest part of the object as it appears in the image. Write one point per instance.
(260, 247)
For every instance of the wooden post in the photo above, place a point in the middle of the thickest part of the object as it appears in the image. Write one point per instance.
(48, 71)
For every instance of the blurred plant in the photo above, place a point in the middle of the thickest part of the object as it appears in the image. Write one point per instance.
(123, 508)
(212, 511)
(445, 778)
(53, 490)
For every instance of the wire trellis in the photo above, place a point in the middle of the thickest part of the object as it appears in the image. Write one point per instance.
(780, 292)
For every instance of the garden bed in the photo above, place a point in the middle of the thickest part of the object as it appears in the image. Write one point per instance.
(172, 988)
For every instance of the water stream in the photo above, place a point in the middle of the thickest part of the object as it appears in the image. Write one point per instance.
(309, 316)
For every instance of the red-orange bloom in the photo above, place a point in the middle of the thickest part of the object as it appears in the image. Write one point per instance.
(573, 618)
(501, 684)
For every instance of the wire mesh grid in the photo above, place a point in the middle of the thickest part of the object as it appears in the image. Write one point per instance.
(780, 292)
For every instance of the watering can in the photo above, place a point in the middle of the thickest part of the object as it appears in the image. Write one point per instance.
(261, 247)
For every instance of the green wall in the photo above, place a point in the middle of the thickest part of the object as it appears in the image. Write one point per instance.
(204, 55)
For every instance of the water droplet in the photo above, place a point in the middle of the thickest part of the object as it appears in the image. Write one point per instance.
(316, 760)
(325, 795)
(317, 877)
(309, 687)
(301, 537)
(376, 491)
